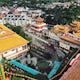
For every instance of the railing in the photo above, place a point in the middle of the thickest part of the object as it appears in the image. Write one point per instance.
(16, 54)
(25, 68)
(19, 75)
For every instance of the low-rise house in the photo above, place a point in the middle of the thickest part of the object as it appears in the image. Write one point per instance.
(35, 13)
(21, 9)
(5, 10)
(65, 4)
(54, 4)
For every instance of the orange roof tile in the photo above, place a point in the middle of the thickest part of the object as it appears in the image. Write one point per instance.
(39, 19)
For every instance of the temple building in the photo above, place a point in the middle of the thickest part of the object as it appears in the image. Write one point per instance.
(76, 26)
(73, 37)
(69, 33)
(39, 25)
(11, 44)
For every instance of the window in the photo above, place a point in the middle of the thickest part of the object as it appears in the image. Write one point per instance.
(4, 18)
(24, 47)
(5, 52)
(20, 48)
(13, 49)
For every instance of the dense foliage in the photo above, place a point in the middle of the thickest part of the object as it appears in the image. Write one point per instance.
(12, 2)
(17, 78)
(63, 15)
(19, 31)
(25, 2)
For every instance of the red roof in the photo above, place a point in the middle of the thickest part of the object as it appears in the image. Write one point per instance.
(73, 73)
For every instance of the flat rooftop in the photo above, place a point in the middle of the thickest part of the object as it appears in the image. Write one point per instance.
(9, 39)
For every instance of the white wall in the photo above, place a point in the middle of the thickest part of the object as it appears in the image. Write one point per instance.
(0, 56)
(13, 51)
(8, 53)
(20, 48)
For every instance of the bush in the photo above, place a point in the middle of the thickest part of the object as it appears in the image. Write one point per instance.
(22, 33)
(17, 78)
(17, 29)
(28, 38)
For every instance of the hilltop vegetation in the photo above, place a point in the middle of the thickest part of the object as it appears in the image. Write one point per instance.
(25, 2)
(63, 15)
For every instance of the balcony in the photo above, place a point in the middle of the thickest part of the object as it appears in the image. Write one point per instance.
(17, 54)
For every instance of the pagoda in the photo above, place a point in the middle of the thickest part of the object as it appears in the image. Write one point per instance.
(39, 25)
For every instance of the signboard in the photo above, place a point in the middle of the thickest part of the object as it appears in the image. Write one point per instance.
(65, 46)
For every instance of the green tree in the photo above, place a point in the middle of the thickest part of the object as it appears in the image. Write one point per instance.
(17, 29)
(63, 15)
(17, 78)
(28, 38)
(22, 3)
(22, 33)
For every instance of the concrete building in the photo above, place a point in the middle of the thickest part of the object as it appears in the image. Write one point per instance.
(11, 44)
(17, 20)
(65, 4)
(34, 13)
(4, 10)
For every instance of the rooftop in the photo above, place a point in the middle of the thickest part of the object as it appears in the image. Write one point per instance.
(39, 25)
(39, 19)
(9, 39)
(73, 73)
